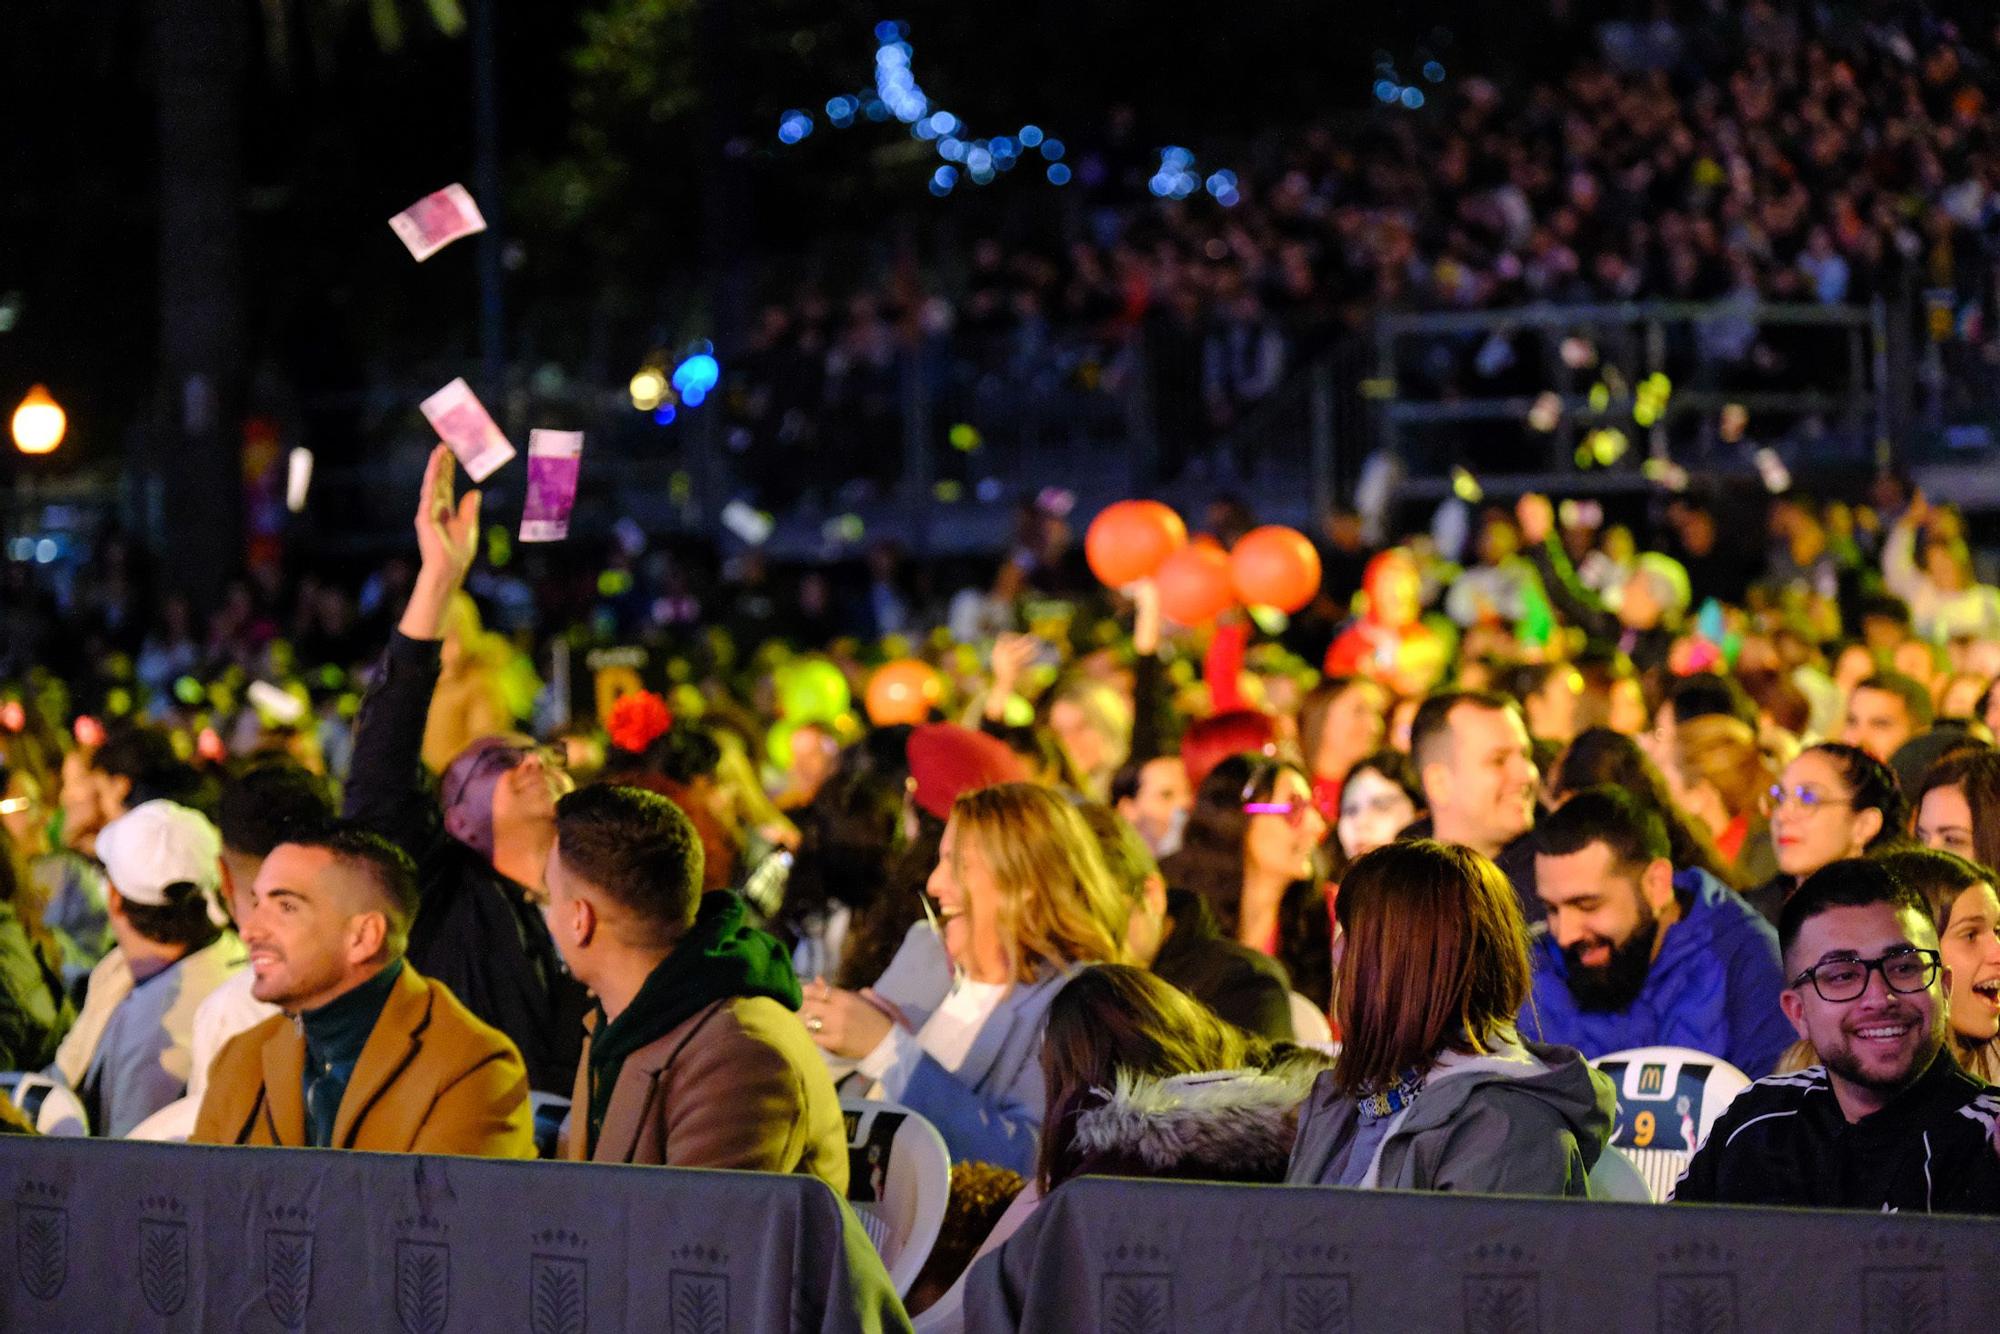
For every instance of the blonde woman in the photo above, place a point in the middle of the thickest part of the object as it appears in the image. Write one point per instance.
(1024, 898)
(1719, 776)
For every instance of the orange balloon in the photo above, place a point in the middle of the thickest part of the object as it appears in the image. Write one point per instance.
(903, 692)
(1275, 567)
(1194, 584)
(1130, 540)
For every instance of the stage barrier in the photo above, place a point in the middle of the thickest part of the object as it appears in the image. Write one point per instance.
(108, 1235)
(1148, 1257)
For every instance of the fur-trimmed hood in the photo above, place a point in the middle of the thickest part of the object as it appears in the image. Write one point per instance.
(1235, 1125)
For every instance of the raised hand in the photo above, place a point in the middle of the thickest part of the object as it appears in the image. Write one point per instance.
(448, 538)
(447, 532)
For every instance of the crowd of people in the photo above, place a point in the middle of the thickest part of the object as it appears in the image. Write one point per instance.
(1128, 898)
(1734, 154)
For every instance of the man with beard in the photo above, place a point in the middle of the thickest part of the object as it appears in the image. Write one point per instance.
(1887, 1122)
(1635, 954)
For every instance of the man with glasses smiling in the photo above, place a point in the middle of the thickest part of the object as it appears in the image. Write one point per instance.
(1887, 1121)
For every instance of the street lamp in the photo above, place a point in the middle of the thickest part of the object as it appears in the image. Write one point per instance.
(39, 423)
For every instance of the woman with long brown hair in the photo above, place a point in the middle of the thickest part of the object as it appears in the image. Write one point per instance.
(1433, 1088)
(1252, 850)
(1024, 899)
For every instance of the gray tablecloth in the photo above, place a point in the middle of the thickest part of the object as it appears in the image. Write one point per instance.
(1147, 1257)
(119, 1236)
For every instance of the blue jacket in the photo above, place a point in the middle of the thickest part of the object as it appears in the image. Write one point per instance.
(990, 1109)
(1714, 987)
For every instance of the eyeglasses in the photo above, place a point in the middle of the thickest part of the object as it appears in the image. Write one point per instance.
(503, 759)
(1807, 799)
(1903, 971)
(1292, 812)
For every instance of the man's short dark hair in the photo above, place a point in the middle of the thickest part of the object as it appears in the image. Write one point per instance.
(1916, 699)
(1629, 826)
(1853, 882)
(1125, 783)
(271, 802)
(638, 848)
(1700, 694)
(182, 920)
(390, 869)
(1882, 606)
(145, 757)
(1431, 728)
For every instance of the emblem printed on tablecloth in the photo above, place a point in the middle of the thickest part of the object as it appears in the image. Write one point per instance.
(163, 1254)
(41, 1239)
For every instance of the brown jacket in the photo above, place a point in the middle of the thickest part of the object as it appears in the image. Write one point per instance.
(431, 1079)
(739, 1085)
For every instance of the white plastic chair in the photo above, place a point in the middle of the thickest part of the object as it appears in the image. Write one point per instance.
(49, 1105)
(1615, 1178)
(1669, 1098)
(899, 1182)
(1309, 1023)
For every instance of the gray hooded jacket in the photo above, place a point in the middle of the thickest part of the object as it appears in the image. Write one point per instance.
(1528, 1120)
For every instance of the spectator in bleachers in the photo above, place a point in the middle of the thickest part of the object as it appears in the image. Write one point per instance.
(1145, 1081)
(131, 1050)
(1600, 756)
(1887, 1122)
(138, 764)
(367, 1053)
(1174, 933)
(1945, 601)
(1433, 1088)
(271, 802)
(1155, 798)
(696, 1056)
(1958, 806)
(1638, 954)
(1886, 710)
(1720, 778)
(1025, 899)
(482, 843)
(1833, 801)
(1471, 753)
(1380, 800)
(1251, 852)
(1960, 897)
(1549, 694)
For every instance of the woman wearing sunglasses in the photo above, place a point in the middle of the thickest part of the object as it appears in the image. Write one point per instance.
(1834, 801)
(1252, 849)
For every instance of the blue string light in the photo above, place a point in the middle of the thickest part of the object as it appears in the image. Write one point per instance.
(896, 93)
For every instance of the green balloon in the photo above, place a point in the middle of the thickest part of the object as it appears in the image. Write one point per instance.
(812, 690)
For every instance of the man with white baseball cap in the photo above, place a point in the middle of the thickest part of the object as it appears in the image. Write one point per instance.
(129, 1054)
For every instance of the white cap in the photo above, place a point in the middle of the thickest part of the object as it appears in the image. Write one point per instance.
(157, 844)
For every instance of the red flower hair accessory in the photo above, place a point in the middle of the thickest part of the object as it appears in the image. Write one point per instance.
(637, 720)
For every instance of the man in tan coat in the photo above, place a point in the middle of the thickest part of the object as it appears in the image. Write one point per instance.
(697, 1057)
(367, 1054)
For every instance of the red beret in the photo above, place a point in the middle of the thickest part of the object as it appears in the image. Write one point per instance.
(947, 761)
